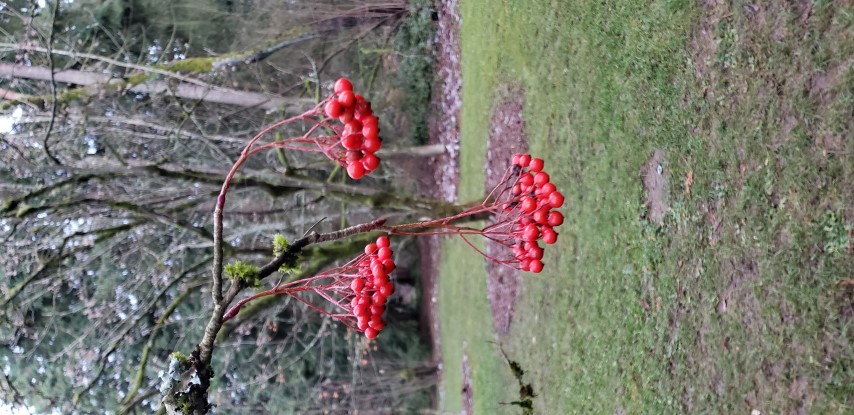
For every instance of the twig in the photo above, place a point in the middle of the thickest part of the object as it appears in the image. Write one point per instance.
(52, 87)
(287, 256)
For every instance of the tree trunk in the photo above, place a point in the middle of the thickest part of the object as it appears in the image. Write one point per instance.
(105, 82)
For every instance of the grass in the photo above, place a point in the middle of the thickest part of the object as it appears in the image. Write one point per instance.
(734, 302)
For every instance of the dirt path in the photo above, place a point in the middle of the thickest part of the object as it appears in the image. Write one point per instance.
(440, 175)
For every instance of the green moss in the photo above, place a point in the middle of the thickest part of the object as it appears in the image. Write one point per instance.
(71, 95)
(247, 273)
(280, 244)
(182, 358)
(192, 65)
(186, 407)
(137, 79)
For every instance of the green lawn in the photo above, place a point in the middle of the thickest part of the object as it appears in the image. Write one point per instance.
(735, 302)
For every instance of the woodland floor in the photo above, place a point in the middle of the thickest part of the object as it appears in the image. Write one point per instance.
(705, 152)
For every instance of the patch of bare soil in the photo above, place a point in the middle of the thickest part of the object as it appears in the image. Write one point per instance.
(738, 296)
(467, 391)
(439, 175)
(655, 184)
(506, 137)
(445, 105)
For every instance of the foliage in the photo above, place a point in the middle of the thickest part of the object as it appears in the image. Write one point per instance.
(413, 45)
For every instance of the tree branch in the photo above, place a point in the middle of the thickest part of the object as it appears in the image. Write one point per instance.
(49, 130)
(106, 82)
(14, 291)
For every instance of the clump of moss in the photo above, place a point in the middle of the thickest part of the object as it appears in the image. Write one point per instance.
(181, 358)
(191, 65)
(242, 271)
(280, 244)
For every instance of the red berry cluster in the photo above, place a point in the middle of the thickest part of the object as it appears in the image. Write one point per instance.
(360, 136)
(372, 287)
(536, 199)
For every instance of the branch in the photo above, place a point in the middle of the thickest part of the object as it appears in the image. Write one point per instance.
(288, 256)
(14, 291)
(143, 68)
(106, 82)
(143, 361)
(52, 89)
(262, 54)
(120, 338)
(200, 361)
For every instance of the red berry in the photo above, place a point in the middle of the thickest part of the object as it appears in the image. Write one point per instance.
(541, 178)
(556, 199)
(370, 248)
(377, 310)
(388, 265)
(354, 302)
(352, 141)
(525, 264)
(371, 333)
(371, 162)
(535, 252)
(531, 233)
(526, 179)
(547, 189)
(362, 109)
(541, 216)
(377, 325)
(517, 190)
(346, 116)
(377, 269)
(352, 127)
(536, 165)
(371, 131)
(355, 171)
(555, 218)
(371, 145)
(515, 160)
(386, 289)
(347, 99)
(357, 285)
(353, 156)
(528, 205)
(378, 298)
(364, 299)
(549, 235)
(383, 242)
(535, 266)
(384, 253)
(524, 160)
(360, 310)
(380, 280)
(370, 120)
(333, 109)
(343, 84)
(362, 322)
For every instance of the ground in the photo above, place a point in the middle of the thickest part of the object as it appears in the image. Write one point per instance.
(706, 260)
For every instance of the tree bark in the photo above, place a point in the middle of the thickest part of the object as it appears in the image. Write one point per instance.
(219, 95)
